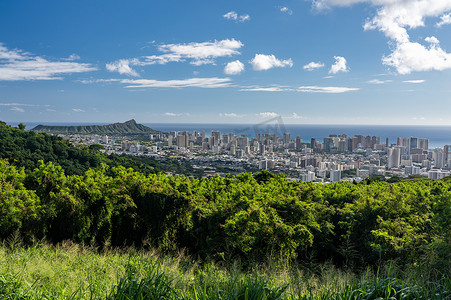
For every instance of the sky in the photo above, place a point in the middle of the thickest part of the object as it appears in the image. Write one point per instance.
(311, 62)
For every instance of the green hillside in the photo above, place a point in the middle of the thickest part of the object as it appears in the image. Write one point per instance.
(129, 127)
(25, 148)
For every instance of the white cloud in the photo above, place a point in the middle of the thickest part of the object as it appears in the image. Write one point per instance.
(73, 57)
(197, 53)
(18, 109)
(326, 89)
(410, 57)
(88, 81)
(267, 114)
(263, 62)
(203, 51)
(394, 18)
(77, 110)
(234, 68)
(170, 114)
(122, 66)
(212, 82)
(304, 89)
(378, 81)
(266, 89)
(231, 115)
(444, 20)
(414, 81)
(339, 65)
(432, 40)
(231, 15)
(294, 116)
(313, 66)
(19, 65)
(17, 104)
(286, 10)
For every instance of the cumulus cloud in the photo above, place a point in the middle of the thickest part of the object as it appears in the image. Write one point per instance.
(411, 56)
(262, 62)
(339, 65)
(73, 57)
(231, 15)
(294, 116)
(212, 82)
(267, 114)
(234, 68)
(313, 66)
(122, 66)
(77, 110)
(19, 65)
(414, 81)
(286, 10)
(196, 53)
(394, 18)
(444, 20)
(326, 89)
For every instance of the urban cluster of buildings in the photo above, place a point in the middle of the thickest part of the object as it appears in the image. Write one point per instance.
(335, 158)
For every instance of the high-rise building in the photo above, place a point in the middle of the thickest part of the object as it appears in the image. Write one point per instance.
(313, 143)
(406, 144)
(335, 175)
(423, 144)
(217, 137)
(343, 145)
(242, 142)
(182, 140)
(394, 157)
(286, 137)
(413, 143)
(328, 144)
(439, 158)
(298, 143)
(447, 149)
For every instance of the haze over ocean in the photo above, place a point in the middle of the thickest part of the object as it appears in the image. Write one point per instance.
(438, 135)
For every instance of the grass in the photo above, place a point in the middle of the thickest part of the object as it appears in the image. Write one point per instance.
(70, 271)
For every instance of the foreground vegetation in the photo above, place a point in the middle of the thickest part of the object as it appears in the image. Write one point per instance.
(245, 217)
(70, 271)
(250, 236)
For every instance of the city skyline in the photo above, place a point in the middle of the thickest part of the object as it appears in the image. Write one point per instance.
(311, 62)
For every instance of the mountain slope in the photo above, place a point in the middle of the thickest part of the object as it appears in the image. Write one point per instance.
(129, 127)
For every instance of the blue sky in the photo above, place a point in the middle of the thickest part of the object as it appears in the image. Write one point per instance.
(311, 62)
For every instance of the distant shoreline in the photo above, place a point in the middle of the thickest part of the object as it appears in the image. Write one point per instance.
(438, 135)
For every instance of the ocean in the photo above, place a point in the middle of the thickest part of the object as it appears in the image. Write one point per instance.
(438, 135)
